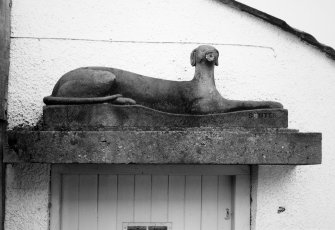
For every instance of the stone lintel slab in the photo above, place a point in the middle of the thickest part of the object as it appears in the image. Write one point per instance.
(135, 117)
(197, 146)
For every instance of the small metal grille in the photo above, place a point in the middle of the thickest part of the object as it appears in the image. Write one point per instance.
(147, 226)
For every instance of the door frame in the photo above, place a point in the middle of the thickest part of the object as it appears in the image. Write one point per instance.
(5, 28)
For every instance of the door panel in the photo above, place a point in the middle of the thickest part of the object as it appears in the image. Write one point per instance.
(125, 200)
(99, 200)
(159, 198)
(107, 202)
(142, 204)
(193, 203)
(70, 202)
(88, 202)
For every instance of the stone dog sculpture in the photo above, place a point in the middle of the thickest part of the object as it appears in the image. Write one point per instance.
(109, 85)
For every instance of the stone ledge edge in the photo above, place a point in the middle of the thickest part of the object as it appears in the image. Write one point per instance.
(154, 147)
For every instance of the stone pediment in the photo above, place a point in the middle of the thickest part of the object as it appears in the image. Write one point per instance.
(106, 133)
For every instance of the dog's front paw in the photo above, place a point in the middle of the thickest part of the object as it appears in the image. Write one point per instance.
(275, 105)
(124, 101)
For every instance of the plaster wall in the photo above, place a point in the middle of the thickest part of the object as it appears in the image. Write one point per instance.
(27, 196)
(257, 61)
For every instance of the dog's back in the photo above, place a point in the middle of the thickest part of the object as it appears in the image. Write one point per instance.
(92, 83)
(164, 95)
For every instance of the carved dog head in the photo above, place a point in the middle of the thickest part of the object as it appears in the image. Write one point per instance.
(205, 53)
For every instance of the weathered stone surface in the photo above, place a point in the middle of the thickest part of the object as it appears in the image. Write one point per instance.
(136, 117)
(193, 146)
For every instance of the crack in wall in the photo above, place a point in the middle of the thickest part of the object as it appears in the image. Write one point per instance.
(147, 42)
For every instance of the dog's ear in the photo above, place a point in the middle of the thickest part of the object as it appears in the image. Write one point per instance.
(193, 57)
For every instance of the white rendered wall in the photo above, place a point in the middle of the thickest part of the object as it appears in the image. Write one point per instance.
(257, 61)
(307, 15)
(27, 196)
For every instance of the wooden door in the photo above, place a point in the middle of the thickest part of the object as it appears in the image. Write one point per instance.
(179, 197)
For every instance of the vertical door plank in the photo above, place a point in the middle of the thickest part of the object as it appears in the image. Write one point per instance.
(193, 203)
(176, 202)
(107, 202)
(69, 215)
(142, 205)
(88, 212)
(209, 202)
(125, 202)
(159, 199)
(241, 202)
(224, 202)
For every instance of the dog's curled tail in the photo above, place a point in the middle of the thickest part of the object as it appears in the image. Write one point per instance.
(51, 100)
